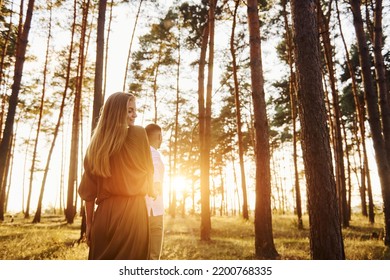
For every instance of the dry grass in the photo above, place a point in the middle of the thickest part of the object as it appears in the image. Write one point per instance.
(52, 239)
(231, 239)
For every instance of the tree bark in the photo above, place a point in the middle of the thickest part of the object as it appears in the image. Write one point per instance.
(245, 213)
(74, 156)
(98, 92)
(380, 72)
(13, 100)
(293, 105)
(104, 74)
(264, 243)
(130, 46)
(365, 170)
(205, 226)
(37, 216)
(338, 141)
(325, 231)
(374, 118)
(176, 127)
(205, 206)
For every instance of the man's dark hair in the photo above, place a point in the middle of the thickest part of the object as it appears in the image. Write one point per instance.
(152, 128)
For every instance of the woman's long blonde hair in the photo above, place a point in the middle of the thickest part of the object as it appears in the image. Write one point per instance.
(109, 135)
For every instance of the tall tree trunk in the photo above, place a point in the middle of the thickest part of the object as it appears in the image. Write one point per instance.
(205, 226)
(3, 100)
(74, 156)
(3, 190)
(176, 127)
(360, 117)
(205, 206)
(380, 72)
(349, 173)
(37, 217)
(236, 196)
(223, 201)
(27, 148)
(2, 60)
(338, 141)
(155, 84)
(371, 99)
(10, 166)
(264, 243)
(62, 175)
(98, 91)
(13, 100)
(293, 105)
(245, 213)
(325, 231)
(106, 52)
(131, 44)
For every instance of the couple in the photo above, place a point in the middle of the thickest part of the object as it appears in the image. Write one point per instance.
(123, 174)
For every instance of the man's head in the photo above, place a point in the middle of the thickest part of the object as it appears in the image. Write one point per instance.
(154, 135)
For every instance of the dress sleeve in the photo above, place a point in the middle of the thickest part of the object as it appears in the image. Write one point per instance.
(88, 187)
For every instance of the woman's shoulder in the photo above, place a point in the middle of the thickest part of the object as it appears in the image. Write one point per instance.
(136, 130)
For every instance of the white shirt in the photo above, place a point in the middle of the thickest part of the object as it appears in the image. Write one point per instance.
(156, 206)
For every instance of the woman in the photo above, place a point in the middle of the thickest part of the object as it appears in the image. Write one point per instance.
(118, 173)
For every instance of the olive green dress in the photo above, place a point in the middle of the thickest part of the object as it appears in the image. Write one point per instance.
(120, 227)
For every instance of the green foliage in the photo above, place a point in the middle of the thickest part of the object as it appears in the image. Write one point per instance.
(281, 121)
(194, 18)
(157, 49)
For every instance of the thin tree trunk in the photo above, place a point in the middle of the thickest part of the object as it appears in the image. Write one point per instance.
(62, 181)
(10, 165)
(380, 72)
(37, 217)
(73, 163)
(360, 117)
(131, 44)
(236, 193)
(245, 214)
(106, 52)
(172, 190)
(24, 167)
(176, 127)
(293, 105)
(264, 243)
(98, 91)
(3, 56)
(338, 141)
(349, 181)
(223, 201)
(325, 231)
(155, 85)
(374, 119)
(205, 227)
(13, 100)
(205, 196)
(370, 28)
(3, 195)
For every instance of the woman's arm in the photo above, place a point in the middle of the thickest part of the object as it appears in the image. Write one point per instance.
(89, 210)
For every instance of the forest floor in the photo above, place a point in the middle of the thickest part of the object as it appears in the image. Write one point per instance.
(232, 238)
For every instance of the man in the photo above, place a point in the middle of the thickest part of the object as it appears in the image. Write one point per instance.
(155, 205)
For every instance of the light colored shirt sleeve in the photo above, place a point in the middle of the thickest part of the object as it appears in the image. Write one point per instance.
(158, 165)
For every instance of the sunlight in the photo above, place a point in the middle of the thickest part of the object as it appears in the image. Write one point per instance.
(181, 185)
